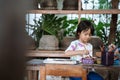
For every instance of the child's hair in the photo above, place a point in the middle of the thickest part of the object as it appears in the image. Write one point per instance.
(84, 25)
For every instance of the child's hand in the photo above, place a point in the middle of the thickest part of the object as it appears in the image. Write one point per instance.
(86, 52)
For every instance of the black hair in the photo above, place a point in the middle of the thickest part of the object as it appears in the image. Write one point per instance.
(84, 25)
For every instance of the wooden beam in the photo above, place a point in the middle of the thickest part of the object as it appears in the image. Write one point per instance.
(54, 11)
(109, 11)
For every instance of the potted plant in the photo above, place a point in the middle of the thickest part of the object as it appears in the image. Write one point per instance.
(70, 5)
(48, 24)
(69, 33)
(48, 4)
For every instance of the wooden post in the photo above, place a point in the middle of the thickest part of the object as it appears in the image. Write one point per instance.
(42, 73)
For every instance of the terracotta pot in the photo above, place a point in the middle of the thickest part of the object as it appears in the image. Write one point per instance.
(48, 4)
(70, 5)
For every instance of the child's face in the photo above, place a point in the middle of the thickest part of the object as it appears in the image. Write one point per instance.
(85, 36)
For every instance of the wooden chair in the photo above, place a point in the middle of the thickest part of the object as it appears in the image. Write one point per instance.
(62, 70)
(32, 72)
(33, 69)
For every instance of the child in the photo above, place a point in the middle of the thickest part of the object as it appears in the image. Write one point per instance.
(117, 53)
(81, 48)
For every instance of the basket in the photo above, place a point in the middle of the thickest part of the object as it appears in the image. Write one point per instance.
(87, 60)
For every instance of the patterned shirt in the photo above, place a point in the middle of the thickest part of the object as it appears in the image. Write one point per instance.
(77, 45)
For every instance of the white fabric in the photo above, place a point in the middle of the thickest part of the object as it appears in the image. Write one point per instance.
(77, 45)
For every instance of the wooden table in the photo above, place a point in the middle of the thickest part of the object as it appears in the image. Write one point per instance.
(108, 69)
(64, 70)
(60, 54)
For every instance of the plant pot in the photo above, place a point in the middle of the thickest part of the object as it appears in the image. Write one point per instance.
(48, 42)
(60, 4)
(48, 4)
(70, 5)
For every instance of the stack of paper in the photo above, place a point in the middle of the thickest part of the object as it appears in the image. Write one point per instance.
(59, 61)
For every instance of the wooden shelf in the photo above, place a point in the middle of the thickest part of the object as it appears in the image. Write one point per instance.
(111, 11)
(54, 11)
(39, 53)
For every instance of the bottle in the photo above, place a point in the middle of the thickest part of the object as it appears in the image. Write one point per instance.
(107, 58)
